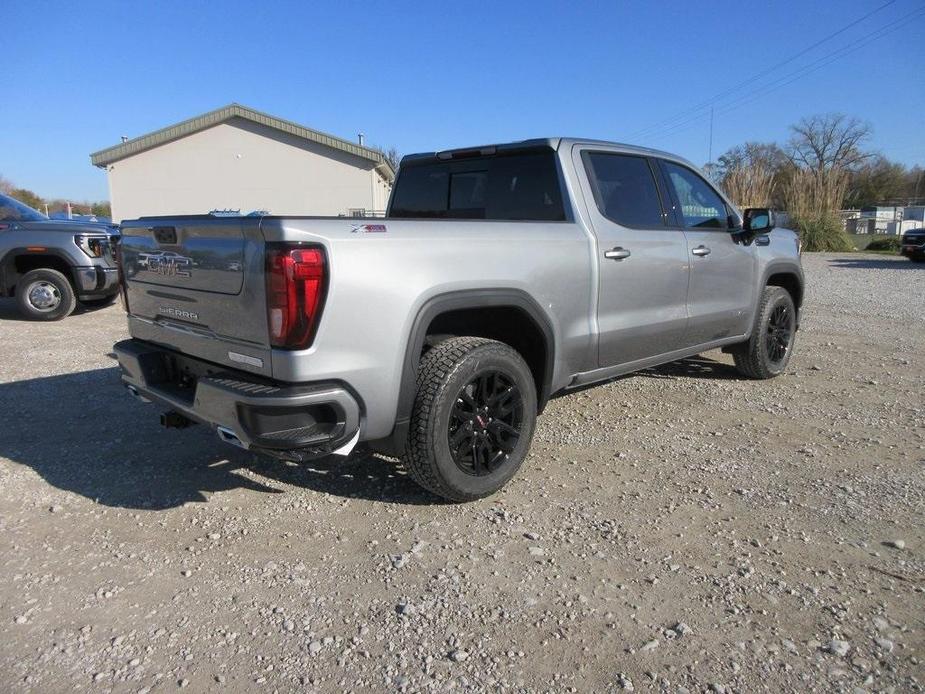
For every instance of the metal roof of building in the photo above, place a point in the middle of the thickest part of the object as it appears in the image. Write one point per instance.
(207, 120)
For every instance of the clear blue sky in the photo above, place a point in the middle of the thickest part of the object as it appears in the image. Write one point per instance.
(432, 75)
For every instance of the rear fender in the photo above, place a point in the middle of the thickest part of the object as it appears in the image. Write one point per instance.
(455, 301)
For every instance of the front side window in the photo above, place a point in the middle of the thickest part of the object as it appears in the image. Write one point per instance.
(625, 189)
(701, 206)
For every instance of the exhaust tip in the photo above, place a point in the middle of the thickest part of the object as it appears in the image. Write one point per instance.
(228, 436)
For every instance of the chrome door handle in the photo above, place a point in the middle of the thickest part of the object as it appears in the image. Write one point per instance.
(701, 251)
(617, 253)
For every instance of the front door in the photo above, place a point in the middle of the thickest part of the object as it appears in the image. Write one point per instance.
(722, 289)
(643, 264)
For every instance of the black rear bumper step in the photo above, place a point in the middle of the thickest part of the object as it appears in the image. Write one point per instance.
(303, 420)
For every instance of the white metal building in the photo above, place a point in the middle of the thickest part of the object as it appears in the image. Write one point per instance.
(236, 158)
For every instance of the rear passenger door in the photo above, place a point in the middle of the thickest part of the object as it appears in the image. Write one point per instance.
(643, 264)
(722, 267)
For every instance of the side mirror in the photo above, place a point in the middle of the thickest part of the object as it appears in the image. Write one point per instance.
(758, 220)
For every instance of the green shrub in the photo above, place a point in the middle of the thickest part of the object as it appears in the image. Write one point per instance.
(822, 232)
(891, 243)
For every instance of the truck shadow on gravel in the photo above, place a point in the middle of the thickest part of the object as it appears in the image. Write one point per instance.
(82, 433)
(694, 367)
(887, 263)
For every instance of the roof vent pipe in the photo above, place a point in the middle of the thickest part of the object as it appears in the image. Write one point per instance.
(361, 137)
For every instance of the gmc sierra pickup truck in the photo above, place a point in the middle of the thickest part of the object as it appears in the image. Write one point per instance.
(49, 265)
(501, 276)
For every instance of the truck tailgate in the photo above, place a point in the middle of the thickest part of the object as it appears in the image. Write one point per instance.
(196, 284)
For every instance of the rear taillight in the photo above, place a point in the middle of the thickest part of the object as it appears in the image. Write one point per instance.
(295, 291)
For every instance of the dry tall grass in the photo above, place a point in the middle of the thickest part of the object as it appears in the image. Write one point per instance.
(750, 185)
(812, 199)
(807, 192)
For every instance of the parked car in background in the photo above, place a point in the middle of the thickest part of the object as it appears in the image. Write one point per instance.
(913, 245)
(49, 265)
(502, 276)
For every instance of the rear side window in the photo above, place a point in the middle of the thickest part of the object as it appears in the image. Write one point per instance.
(625, 189)
(503, 187)
(701, 206)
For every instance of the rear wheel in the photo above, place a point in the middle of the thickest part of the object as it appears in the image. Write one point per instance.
(45, 294)
(473, 418)
(767, 352)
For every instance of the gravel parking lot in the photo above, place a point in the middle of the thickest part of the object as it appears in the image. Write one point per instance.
(677, 530)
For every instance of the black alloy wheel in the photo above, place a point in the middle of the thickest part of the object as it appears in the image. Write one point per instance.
(485, 423)
(779, 333)
(473, 418)
(767, 352)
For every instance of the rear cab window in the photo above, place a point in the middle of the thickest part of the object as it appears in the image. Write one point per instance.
(522, 186)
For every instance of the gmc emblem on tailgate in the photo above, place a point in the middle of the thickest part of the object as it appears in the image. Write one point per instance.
(166, 263)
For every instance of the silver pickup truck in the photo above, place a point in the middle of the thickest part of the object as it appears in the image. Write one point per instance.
(501, 276)
(49, 265)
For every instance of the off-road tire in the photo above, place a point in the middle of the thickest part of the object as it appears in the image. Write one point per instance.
(444, 371)
(752, 358)
(100, 303)
(60, 286)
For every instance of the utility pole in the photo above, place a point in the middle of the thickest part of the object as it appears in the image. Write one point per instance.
(710, 155)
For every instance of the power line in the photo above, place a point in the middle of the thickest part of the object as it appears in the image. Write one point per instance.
(759, 75)
(791, 77)
(718, 97)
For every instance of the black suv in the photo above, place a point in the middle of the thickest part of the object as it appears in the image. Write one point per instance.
(913, 245)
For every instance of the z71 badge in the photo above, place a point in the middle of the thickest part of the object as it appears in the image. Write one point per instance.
(368, 228)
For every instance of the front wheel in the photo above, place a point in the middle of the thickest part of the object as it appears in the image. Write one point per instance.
(768, 351)
(45, 294)
(473, 418)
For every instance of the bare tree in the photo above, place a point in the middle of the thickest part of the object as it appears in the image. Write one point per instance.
(5, 185)
(828, 142)
(878, 181)
(823, 151)
(393, 157)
